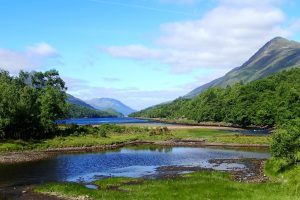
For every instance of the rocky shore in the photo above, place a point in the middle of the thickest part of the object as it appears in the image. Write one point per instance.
(253, 171)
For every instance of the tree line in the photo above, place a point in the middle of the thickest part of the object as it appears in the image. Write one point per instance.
(266, 102)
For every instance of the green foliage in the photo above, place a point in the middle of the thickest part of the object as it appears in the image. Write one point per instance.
(104, 130)
(30, 103)
(266, 102)
(159, 131)
(77, 111)
(286, 144)
(79, 136)
(198, 185)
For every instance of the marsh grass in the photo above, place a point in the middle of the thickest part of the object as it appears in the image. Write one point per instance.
(198, 185)
(90, 139)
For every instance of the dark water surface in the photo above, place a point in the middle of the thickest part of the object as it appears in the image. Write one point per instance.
(128, 162)
(256, 132)
(107, 120)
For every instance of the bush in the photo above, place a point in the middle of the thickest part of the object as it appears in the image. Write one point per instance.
(286, 143)
(101, 131)
(159, 131)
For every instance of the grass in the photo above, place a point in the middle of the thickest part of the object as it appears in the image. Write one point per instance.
(198, 185)
(89, 140)
(219, 136)
(240, 139)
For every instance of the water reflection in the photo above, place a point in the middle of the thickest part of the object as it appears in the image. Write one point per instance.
(130, 162)
(109, 120)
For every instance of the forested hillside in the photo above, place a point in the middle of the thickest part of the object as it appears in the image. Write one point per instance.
(276, 55)
(266, 102)
(77, 108)
(77, 111)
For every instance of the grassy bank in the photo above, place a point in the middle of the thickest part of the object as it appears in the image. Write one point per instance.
(198, 185)
(131, 134)
(189, 122)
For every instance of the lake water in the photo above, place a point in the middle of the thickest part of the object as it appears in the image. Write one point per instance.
(128, 162)
(107, 120)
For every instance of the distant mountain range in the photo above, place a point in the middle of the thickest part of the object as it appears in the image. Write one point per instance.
(77, 101)
(111, 106)
(276, 55)
(108, 103)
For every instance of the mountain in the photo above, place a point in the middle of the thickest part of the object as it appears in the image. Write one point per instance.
(267, 102)
(276, 55)
(78, 109)
(108, 103)
(77, 101)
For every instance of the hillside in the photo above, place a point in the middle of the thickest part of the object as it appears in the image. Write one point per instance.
(77, 101)
(78, 109)
(266, 102)
(108, 103)
(277, 55)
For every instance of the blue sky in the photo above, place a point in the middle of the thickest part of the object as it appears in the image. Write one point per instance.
(142, 52)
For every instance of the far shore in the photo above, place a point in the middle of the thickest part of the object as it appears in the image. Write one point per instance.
(191, 123)
(175, 126)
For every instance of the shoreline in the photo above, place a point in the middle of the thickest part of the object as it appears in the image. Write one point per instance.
(253, 173)
(36, 155)
(178, 126)
(204, 124)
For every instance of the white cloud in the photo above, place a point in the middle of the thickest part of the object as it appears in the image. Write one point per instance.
(32, 58)
(134, 97)
(42, 49)
(13, 61)
(257, 3)
(224, 37)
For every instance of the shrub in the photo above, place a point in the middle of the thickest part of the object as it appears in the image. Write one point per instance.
(159, 131)
(286, 143)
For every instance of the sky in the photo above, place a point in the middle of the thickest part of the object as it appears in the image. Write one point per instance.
(141, 52)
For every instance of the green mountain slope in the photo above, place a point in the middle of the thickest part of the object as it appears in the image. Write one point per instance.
(77, 101)
(77, 111)
(277, 55)
(77, 108)
(266, 102)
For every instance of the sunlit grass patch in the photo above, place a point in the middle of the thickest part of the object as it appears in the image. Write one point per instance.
(198, 185)
(240, 139)
(90, 139)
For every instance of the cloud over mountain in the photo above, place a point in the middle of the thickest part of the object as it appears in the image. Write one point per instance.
(222, 38)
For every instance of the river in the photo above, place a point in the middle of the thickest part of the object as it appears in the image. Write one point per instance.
(108, 120)
(129, 162)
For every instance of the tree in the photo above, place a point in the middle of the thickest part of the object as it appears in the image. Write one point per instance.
(52, 107)
(286, 143)
(30, 104)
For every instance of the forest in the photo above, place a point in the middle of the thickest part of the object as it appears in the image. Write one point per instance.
(267, 102)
